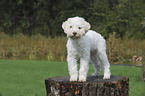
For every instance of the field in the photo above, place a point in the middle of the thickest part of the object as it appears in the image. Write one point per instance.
(26, 77)
(38, 47)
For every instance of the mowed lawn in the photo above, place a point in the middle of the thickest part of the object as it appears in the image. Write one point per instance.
(26, 77)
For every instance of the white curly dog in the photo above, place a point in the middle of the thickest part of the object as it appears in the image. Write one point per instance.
(87, 45)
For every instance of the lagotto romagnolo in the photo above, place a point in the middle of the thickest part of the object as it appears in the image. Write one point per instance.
(87, 45)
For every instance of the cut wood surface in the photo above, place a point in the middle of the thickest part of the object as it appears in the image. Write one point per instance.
(94, 86)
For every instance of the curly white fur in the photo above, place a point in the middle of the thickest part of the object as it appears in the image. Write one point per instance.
(87, 45)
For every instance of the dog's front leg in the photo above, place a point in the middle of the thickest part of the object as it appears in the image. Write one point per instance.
(84, 67)
(72, 67)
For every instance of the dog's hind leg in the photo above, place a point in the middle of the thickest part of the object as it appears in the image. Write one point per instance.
(105, 63)
(96, 63)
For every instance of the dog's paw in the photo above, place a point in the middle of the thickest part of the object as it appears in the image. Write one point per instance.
(82, 78)
(73, 78)
(106, 76)
(95, 74)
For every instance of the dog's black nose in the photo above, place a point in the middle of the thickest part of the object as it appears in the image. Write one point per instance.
(74, 33)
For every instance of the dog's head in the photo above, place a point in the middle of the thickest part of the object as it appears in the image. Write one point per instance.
(75, 27)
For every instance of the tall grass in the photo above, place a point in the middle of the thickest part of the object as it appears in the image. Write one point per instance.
(19, 46)
(36, 47)
(125, 50)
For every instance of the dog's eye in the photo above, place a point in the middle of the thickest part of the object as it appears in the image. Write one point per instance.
(70, 26)
(79, 27)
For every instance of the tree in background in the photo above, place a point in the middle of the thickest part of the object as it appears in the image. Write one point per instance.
(125, 17)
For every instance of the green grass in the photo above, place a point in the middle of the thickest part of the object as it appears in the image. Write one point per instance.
(26, 77)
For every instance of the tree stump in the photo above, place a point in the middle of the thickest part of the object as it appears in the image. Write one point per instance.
(94, 86)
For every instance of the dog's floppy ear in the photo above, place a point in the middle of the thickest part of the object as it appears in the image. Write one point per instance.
(87, 25)
(64, 25)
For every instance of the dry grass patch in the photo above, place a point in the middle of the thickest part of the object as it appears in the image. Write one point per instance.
(19, 46)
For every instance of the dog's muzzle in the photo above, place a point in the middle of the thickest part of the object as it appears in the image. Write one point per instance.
(75, 35)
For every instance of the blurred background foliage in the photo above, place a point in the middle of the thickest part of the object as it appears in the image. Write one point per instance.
(31, 29)
(29, 17)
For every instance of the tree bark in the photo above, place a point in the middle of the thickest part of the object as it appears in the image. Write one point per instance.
(94, 86)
